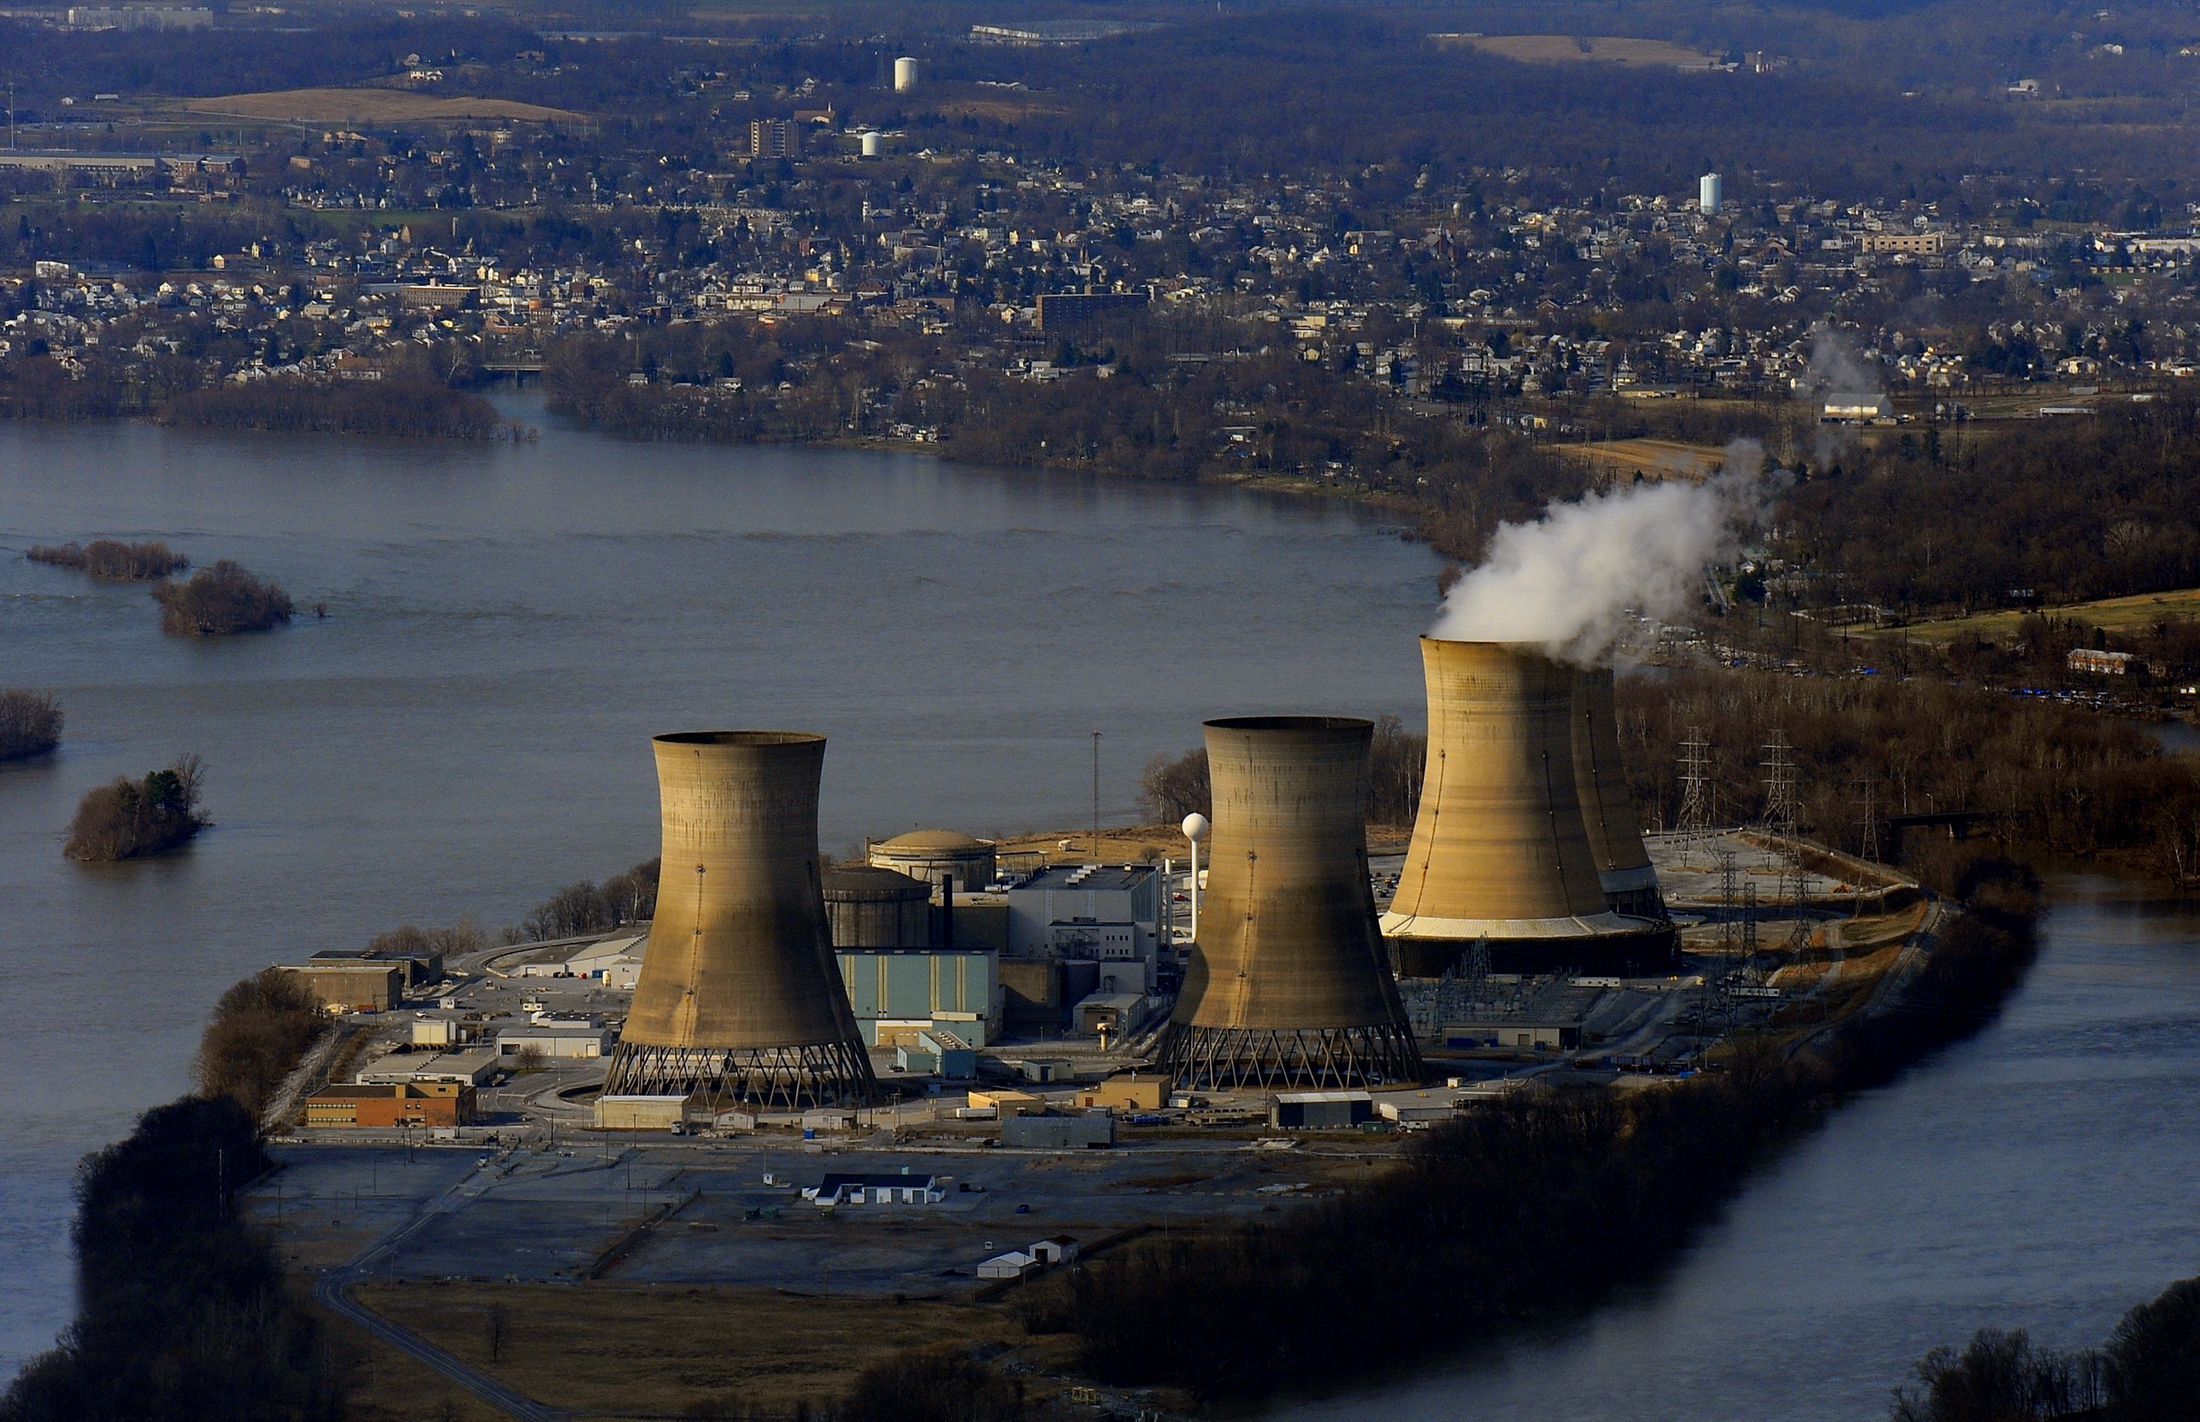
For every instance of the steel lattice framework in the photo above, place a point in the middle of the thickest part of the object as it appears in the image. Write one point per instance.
(1249, 1058)
(776, 1078)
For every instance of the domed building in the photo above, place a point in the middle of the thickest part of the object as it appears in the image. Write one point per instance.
(933, 855)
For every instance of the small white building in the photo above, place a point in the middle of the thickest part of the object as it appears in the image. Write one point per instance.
(838, 1190)
(557, 1043)
(1060, 1249)
(1013, 1265)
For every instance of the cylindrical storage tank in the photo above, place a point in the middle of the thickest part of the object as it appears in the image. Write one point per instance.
(877, 908)
(874, 143)
(1288, 984)
(1607, 809)
(738, 996)
(933, 855)
(1710, 194)
(905, 74)
(1500, 850)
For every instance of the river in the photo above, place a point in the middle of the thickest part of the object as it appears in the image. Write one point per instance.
(2039, 1175)
(507, 626)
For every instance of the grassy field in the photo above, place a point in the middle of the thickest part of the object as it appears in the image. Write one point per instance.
(611, 1352)
(1594, 49)
(1655, 459)
(2115, 614)
(372, 106)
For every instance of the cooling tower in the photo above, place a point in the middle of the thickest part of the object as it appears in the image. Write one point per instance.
(738, 996)
(1288, 984)
(1607, 810)
(1500, 850)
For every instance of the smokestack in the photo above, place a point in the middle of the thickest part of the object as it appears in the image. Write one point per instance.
(1288, 984)
(1607, 810)
(1500, 849)
(739, 995)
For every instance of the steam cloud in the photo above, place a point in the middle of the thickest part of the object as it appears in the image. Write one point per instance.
(1570, 580)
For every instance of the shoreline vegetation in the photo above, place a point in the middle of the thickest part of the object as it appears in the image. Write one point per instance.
(112, 561)
(30, 724)
(221, 601)
(2147, 1371)
(128, 819)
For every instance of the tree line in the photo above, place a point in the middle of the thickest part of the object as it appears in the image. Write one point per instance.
(113, 561)
(221, 601)
(183, 1310)
(2147, 1371)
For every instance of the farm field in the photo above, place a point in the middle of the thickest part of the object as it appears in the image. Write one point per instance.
(1654, 459)
(372, 106)
(2115, 614)
(1594, 49)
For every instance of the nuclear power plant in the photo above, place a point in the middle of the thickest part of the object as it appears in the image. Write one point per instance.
(739, 998)
(1502, 852)
(1289, 984)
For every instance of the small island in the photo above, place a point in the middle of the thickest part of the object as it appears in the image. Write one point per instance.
(132, 818)
(112, 561)
(30, 724)
(219, 601)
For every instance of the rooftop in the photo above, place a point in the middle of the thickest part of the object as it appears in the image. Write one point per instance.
(1103, 877)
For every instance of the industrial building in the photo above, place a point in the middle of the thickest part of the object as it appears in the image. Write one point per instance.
(1321, 1110)
(1288, 984)
(898, 993)
(471, 1068)
(1104, 914)
(348, 985)
(558, 1041)
(1501, 854)
(386, 1107)
(739, 999)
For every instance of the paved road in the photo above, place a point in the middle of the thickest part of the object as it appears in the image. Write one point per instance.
(333, 1289)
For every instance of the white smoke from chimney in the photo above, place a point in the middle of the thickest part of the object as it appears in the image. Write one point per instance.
(1573, 580)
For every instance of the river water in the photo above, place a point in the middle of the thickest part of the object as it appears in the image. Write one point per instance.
(507, 626)
(2040, 1175)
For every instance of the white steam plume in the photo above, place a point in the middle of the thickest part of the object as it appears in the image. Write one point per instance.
(1570, 580)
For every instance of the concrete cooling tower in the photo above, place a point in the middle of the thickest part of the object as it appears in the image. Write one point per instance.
(1607, 810)
(1500, 848)
(738, 997)
(1288, 984)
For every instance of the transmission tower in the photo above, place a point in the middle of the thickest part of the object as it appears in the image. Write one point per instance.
(1781, 804)
(1867, 801)
(1730, 931)
(1695, 764)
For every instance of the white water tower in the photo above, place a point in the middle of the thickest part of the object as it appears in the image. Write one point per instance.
(1710, 194)
(1195, 830)
(873, 144)
(905, 74)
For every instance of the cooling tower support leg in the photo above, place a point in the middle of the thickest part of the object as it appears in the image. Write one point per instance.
(782, 1078)
(1238, 1059)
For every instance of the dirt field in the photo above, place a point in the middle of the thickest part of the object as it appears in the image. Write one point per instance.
(2116, 614)
(1001, 110)
(373, 106)
(1601, 49)
(624, 1352)
(1655, 459)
